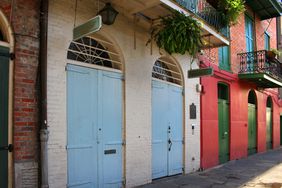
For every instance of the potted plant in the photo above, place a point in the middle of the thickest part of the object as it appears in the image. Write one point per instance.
(178, 33)
(230, 10)
(272, 54)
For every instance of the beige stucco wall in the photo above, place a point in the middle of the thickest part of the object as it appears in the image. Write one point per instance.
(138, 66)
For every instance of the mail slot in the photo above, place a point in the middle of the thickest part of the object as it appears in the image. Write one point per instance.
(110, 151)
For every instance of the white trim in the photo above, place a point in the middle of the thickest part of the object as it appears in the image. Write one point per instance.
(93, 66)
(7, 32)
(272, 80)
(5, 44)
(163, 81)
(204, 26)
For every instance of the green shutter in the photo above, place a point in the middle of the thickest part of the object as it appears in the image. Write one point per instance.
(4, 83)
(224, 58)
(266, 41)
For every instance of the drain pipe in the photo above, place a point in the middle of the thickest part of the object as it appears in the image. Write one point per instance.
(44, 133)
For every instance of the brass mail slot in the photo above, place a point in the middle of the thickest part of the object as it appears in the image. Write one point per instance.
(110, 151)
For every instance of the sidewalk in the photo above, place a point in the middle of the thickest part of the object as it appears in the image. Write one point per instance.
(257, 171)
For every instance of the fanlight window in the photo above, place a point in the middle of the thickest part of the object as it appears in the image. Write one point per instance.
(94, 51)
(167, 71)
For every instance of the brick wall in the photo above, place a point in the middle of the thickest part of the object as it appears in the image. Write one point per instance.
(25, 25)
(238, 40)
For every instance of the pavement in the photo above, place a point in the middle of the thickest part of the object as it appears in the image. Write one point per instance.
(263, 170)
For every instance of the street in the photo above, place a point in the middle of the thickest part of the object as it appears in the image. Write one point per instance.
(262, 170)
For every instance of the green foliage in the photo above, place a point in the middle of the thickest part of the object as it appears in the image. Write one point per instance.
(230, 10)
(275, 51)
(178, 33)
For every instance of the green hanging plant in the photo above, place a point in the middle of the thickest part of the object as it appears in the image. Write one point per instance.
(230, 10)
(178, 33)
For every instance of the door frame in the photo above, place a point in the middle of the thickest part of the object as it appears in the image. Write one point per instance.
(256, 105)
(123, 127)
(229, 118)
(9, 42)
(269, 97)
(172, 60)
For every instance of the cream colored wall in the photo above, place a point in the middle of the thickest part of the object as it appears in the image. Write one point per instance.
(138, 67)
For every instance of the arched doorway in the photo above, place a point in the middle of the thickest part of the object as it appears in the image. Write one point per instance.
(252, 123)
(94, 113)
(167, 118)
(223, 122)
(6, 98)
(269, 128)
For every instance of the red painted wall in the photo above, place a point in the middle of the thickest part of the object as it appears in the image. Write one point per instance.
(238, 119)
(239, 91)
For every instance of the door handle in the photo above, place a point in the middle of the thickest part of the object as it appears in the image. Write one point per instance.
(169, 144)
(9, 148)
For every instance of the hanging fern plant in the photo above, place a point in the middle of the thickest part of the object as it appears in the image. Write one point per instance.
(230, 10)
(178, 33)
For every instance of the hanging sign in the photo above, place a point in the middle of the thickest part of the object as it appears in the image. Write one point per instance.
(91, 26)
(195, 73)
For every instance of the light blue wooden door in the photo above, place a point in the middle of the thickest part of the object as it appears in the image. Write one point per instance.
(94, 128)
(110, 129)
(167, 122)
(159, 130)
(175, 134)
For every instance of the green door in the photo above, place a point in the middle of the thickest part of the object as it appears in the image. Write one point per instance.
(223, 126)
(281, 130)
(252, 129)
(4, 80)
(268, 128)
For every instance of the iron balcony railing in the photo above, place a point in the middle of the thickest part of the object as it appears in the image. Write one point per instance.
(260, 62)
(207, 12)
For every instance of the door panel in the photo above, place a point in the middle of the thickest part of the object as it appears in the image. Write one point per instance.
(167, 125)
(4, 90)
(111, 129)
(175, 134)
(82, 128)
(280, 130)
(268, 128)
(159, 129)
(223, 126)
(252, 129)
(94, 128)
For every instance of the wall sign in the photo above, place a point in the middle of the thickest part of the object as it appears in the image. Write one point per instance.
(91, 26)
(193, 110)
(195, 73)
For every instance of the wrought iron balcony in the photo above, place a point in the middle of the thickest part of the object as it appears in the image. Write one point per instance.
(148, 13)
(205, 11)
(260, 68)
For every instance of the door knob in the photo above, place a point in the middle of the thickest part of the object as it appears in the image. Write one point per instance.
(9, 148)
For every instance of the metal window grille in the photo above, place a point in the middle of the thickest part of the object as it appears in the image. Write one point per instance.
(167, 71)
(94, 50)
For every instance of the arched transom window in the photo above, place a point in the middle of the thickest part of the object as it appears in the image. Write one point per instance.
(167, 70)
(95, 50)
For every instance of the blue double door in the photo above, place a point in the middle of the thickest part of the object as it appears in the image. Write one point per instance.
(167, 129)
(94, 132)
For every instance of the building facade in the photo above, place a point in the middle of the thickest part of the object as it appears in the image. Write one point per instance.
(19, 49)
(240, 107)
(122, 112)
(118, 109)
